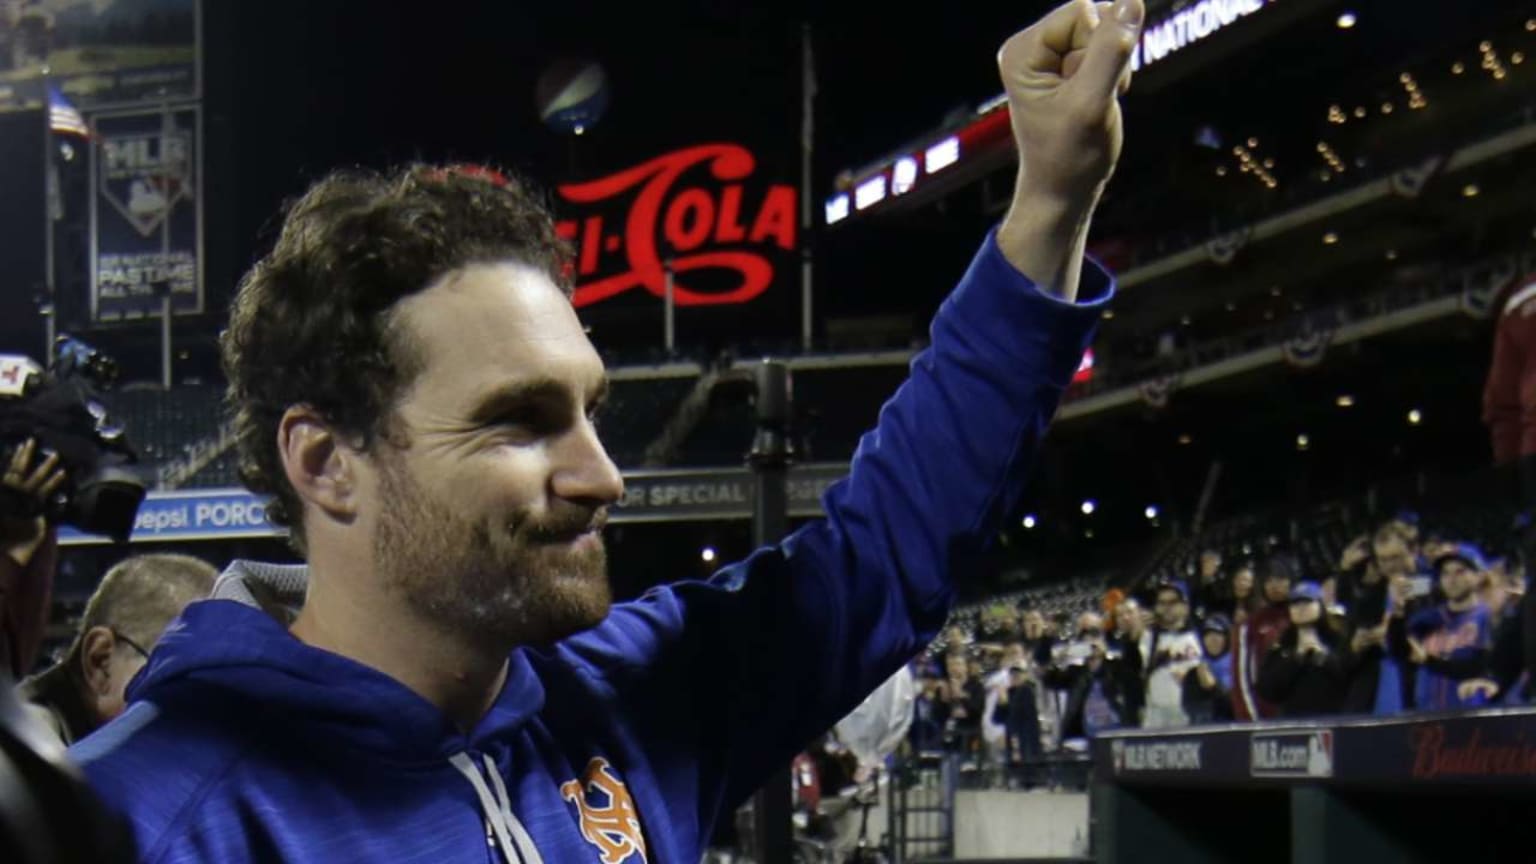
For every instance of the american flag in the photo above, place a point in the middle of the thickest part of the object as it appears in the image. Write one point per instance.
(63, 117)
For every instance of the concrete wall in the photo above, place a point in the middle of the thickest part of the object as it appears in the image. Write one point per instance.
(998, 823)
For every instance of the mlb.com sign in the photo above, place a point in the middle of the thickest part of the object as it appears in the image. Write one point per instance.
(202, 515)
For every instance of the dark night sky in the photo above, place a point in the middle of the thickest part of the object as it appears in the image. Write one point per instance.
(293, 88)
(297, 88)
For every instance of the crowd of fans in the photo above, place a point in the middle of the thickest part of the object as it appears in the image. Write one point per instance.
(1401, 623)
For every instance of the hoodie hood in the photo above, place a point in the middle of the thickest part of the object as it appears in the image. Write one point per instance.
(232, 650)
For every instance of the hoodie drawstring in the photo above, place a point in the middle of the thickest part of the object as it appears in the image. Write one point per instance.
(497, 807)
(525, 848)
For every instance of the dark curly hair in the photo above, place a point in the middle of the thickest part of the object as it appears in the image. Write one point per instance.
(312, 322)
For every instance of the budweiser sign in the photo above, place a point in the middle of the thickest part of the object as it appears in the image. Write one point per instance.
(695, 208)
(1439, 755)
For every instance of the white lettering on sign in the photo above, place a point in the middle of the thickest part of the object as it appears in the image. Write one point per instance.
(231, 514)
(808, 490)
(147, 154)
(1157, 755)
(157, 519)
(1301, 754)
(1189, 26)
(1272, 756)
(678, 494)
(120, 276)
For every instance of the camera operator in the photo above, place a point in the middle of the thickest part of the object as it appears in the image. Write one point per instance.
(30, 551)
(46, 812)
(123, 620)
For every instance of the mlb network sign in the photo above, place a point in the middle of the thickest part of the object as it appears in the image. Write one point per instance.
(1130, 757)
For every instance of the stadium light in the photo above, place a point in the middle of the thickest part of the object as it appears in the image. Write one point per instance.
(903, 175)
(1346, 20)
(837, 209)
(708, 554)
(1303, 442)
(1415, 417)
(1345, 401)
(942, 155)
(1029, 522)
(870, 192)
(1089, 506)
(1151, 511)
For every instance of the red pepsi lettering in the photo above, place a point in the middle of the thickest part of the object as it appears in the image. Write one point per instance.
(689, 220)
(728, 229)
(591, 244)
(684, 220)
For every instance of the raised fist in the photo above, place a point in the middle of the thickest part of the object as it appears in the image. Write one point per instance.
(1063, 76)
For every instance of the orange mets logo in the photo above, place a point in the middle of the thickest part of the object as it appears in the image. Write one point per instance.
(608, 817)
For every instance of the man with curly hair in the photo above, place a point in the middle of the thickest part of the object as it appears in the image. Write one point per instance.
(412, 386)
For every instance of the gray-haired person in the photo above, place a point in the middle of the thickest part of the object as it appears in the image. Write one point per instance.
(123, 620)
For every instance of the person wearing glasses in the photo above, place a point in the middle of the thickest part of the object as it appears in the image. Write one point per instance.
(123, 620)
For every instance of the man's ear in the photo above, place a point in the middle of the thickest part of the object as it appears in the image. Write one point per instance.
(96, 646)
(320, 467)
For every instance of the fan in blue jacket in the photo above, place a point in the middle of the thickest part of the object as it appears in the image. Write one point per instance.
(447, 681)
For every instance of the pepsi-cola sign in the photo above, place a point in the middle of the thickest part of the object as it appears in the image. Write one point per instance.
(701, 209)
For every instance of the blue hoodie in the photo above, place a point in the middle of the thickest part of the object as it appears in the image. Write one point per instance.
(623, 744)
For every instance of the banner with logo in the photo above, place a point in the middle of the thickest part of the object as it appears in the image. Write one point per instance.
(1474, 747)
(146, 214)
(204, 514)
(719, 217)
(100, 53)
(649, 496)
(703, 211)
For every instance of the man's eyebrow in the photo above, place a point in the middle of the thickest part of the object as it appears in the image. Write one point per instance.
(516, 395)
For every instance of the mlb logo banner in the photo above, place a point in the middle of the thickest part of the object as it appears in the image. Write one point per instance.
(1306, 754)
(146, 214)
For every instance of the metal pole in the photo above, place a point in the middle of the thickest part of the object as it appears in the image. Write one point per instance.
(769, 460)
(51, 194)
(50, 332)
(807, 146)
(669, 312)
(167, 127)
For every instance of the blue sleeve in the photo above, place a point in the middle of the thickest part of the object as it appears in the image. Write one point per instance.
(143, 766)
(747, 667)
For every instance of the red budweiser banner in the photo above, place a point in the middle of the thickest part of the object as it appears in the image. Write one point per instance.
(701, 208)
